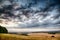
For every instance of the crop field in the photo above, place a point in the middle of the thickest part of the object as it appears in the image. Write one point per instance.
(31, 36)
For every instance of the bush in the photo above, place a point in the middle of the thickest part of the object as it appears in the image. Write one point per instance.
(3, 30)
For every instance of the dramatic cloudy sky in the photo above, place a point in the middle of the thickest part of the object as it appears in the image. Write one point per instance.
(30, 13)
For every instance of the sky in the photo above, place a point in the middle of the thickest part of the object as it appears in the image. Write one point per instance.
(30, 13)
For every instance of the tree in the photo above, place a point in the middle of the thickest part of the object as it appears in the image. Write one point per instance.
(3, 30)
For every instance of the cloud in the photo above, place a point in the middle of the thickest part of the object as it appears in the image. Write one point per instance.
(31, 13)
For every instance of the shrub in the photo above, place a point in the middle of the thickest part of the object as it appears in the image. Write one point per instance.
(3, 30)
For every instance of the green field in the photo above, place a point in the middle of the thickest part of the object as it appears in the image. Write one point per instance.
(33, 36)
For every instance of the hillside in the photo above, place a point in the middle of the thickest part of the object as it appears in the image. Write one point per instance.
(31, 36)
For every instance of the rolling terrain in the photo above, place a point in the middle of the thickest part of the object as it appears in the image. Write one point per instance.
(30, 36)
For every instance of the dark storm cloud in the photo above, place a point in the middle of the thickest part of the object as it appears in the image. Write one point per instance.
(7, 11)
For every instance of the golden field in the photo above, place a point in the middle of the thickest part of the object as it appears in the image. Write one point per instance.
(30, 36)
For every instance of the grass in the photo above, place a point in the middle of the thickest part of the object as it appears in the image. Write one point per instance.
(29, 37)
